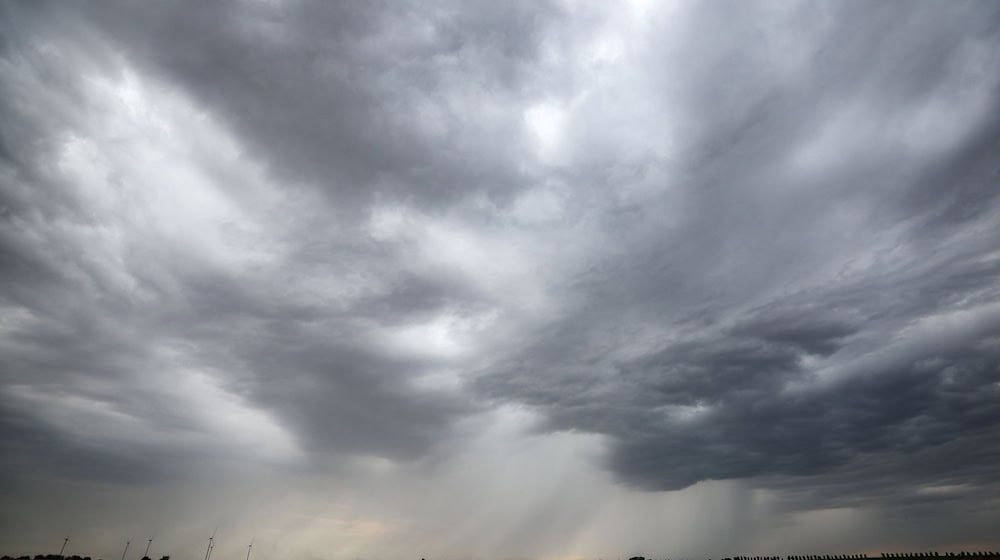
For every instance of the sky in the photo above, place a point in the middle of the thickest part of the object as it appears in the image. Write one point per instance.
(471, 280)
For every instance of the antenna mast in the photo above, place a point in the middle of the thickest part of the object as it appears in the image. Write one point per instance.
(211, 543)
(148, 544)
(63, 547)
(126, 549)
(249, 548)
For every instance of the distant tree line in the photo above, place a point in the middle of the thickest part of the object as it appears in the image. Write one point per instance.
(826, 557)
(58, 557)
(902, 555)
(884, 555)
(962, 554)
(46, 557)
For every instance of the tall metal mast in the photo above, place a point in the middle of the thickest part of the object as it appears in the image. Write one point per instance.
(208, 551)
(126, 549)
(148, 544)
(211, 543)
(63, 547)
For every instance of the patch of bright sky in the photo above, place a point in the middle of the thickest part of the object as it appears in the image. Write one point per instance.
(547, 122)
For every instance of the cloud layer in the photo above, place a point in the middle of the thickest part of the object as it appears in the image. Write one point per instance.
(748, 242)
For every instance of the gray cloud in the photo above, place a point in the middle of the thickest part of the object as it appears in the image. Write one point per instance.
(400, 88)
(834, 267)
(101, 329)
(733, 241)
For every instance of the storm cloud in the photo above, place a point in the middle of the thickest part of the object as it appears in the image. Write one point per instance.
(748, 246)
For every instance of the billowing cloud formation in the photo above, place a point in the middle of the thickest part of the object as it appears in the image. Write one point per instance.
(748, 242)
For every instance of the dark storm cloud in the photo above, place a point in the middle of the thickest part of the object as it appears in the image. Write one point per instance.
(906, 407)
(356, 99)
(819, 385)
(80, 346)
(770, 255)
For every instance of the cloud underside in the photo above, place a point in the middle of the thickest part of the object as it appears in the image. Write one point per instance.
(736, 241)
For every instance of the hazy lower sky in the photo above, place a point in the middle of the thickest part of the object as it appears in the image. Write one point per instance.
(501, 279)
